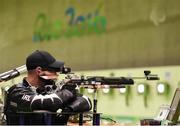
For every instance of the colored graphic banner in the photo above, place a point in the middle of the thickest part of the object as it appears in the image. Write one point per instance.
(76, 25)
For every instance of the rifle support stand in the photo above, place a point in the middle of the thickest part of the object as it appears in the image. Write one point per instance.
(96, 116)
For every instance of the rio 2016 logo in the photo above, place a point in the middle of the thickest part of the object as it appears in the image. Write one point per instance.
(75, 25)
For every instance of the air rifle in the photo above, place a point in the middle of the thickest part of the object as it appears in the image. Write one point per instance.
(112, 82)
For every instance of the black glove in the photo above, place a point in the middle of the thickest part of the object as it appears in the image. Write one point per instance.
(65, 95)
(80, 104)
(71, 88)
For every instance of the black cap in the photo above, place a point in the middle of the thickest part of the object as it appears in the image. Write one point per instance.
(43, 59)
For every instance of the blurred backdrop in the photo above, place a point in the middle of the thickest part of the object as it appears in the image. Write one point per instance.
(96, 34)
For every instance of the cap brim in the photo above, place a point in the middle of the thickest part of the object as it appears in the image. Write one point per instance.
(57, 65)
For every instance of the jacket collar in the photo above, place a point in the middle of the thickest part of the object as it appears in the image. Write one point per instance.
(25, 83)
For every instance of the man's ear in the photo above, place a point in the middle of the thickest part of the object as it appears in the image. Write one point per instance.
(38, 70)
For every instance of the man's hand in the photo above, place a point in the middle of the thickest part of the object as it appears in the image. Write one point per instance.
(71, 88)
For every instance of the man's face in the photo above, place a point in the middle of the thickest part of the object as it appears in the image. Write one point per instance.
(46, 76)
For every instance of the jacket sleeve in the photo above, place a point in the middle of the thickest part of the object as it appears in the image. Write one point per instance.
(24, 99)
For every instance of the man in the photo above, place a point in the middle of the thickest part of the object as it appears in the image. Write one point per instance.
(39, 92)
